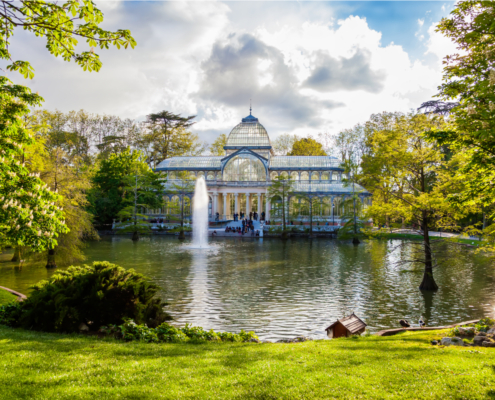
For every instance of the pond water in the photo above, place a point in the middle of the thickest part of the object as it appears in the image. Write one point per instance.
(298, 287)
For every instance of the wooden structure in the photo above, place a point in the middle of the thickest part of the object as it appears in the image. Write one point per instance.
(346, 326)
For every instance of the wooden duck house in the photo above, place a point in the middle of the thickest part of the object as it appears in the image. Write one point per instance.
(346, 326)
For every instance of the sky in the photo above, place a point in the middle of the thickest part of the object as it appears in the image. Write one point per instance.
(306, 67)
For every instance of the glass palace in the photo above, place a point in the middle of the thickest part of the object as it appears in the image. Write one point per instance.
(239, 181)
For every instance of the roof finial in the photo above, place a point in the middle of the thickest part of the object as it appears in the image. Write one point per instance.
(250, 109)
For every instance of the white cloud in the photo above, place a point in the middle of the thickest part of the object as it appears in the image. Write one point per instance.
(305, 71)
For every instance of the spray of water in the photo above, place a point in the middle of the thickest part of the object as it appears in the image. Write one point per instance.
(200, 214)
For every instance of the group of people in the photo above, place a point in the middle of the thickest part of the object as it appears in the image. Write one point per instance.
(252, 216)
(243, 230)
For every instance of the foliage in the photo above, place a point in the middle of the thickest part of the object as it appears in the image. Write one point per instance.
(217, 147)
(129, 330)
(278, 193)
(96, 295)
(182, 186)
(111, 191)
(410, 176)
(58, 23)
(82, 367)
(60, 157)
(282, 145)
(6, 297)
(29, 215)
(307, 147)
(167, 136)
(469, 79)
(10, 313)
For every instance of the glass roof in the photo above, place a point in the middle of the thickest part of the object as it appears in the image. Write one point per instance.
(327, 187)
(248, 133)
(203, 162)
(304, 162)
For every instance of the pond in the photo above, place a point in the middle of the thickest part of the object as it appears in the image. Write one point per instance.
(298, 287)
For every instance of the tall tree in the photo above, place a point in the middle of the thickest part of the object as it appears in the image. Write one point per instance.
(283, 144)
(217, 147)
(411, 178)
(167, 136)
(469, 80)
(111, 190)
(183, 186)
(278, 193)
(307, 147)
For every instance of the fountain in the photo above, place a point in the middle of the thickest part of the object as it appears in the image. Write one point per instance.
(200, 214)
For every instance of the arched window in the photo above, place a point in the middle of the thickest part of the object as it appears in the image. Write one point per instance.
(305, 176)
(171, 175)
(201, 174)
(294, 176)
(315, 176)
(337, 209)
(326, 207)
(284, 175)
(211, 176)
(273, 175)
(325, 176)
(245, 167)
(219, 176)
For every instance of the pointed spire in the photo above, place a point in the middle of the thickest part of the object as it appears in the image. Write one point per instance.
(250, 109)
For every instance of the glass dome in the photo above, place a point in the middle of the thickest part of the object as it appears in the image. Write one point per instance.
(244, 167)
(248, 133)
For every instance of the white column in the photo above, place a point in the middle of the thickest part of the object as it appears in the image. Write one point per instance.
(224, 204)
(259, 206)
(215, 204)
(248, 206)
(236, 208)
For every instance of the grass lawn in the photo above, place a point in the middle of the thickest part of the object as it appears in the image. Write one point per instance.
(6, 297)
(51, 366)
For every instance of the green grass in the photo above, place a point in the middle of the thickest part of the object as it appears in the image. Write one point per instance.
(51, 366)
(6, 297)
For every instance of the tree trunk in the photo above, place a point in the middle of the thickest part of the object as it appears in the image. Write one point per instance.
(17, 254)
(182, 235)
(51, 259)
(428, 282)
(135, 236)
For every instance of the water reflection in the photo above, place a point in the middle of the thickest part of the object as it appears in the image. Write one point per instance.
(282, 289)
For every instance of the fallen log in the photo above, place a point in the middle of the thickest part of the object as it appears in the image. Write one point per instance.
(20, 296)
(390, 332)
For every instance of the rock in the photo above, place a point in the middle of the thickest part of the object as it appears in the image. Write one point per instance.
(481, 334)
(83, 327)
(300, 339)
(478, 340)
(455, 341)
(266, 341)
(434, 342)
(254, 340)
(491, 331)
(470, 331)
(283, 341)
(487, 343)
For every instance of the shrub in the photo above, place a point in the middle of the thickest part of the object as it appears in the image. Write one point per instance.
(97, 295)
(484, 324)
(132, 331)
(10, 313)
(169, 333)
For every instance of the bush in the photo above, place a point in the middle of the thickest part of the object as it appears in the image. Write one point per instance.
(9, 313)
(97, 295)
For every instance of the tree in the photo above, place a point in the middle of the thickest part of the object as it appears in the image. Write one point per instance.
(182, 187)
(111, 192)
(307, 147)
(167, 136)
(279, 192)
(61, 161)
(283, 144)
(469, 80)
(29, 215)
(144, 186)
(58, 23)
(217, 147)
(313, 202)
(411, 178)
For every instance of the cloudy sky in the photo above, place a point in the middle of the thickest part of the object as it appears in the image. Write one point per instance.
(308, 67)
